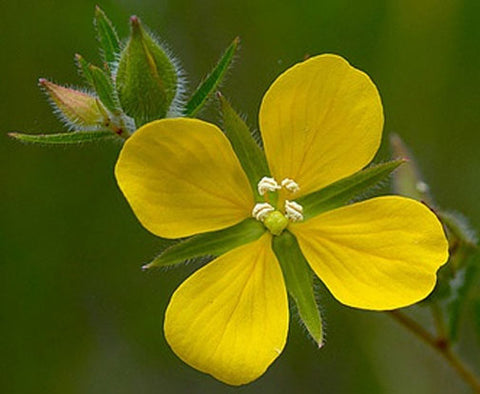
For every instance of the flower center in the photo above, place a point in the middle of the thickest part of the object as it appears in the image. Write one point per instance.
(277, 219)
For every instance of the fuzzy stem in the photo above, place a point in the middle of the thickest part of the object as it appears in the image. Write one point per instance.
(441, 345)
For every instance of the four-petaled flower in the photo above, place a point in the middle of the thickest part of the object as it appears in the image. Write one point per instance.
(320, 121)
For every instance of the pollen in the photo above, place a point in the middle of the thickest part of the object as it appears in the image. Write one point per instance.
(293, 211)
(267, 184)
(290, 185)
(261, 210)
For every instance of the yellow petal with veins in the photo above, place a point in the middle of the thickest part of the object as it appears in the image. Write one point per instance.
(230, 318)
(181, 177)
(378, 254)
(321, 121)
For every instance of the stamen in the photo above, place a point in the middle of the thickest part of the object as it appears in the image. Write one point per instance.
(290, 185)
(261, 210)
(293, 211)
(267, 184)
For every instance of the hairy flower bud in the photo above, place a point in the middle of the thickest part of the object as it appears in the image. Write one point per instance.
(76, 108)
(146, 77)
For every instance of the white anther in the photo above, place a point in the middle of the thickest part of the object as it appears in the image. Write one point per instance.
(261, 210)
(293, 211)
(290, 185)
(267, 184)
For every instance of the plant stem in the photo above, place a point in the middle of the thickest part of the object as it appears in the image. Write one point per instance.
(442, 346)
(439, 322)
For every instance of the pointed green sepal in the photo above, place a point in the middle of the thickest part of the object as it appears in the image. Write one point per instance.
(107, 37)
(146, 77)
(213, 243)
(248, 152)
(344, 190)
(83, 68)
(74, 137)
(212, 81)
(299, 281)
(104, 88)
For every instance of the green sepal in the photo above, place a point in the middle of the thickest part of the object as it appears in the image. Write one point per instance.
(344, 190)
(249, 154)
(214, 243)
(459, 289)
(74, 137)
(212, 81)
(299, 281)
(107, 37)
(146, 77)
(84, 70)
(104, 87)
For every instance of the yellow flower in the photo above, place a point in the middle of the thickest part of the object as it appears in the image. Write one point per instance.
(321, 121)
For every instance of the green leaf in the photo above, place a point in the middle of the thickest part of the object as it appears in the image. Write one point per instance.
(107, 37)
(84, 70)
(249, 154)
(342, 191)
(299, 281)
(74, 137)
(212, 81)
(459, 287)
(104, 88)
(213, 243)
(146, 77)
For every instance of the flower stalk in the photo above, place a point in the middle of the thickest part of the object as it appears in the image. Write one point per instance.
(442, 345)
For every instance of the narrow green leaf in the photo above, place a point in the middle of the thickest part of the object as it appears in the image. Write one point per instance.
(459, 287)
(212, 81)
(299, 281)
(84, 70)
(107, 36)
(74, 137)
(213, 243)
(342, 191)
(104, 88)
(248, 152)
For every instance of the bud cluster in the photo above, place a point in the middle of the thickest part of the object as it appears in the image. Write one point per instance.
(139, 81)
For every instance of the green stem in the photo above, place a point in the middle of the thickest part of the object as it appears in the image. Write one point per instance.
(439, 322)
(442, 346)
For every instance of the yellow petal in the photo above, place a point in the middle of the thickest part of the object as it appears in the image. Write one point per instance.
(321, 121)
(378, 254)
(230, 318)
(181, 177)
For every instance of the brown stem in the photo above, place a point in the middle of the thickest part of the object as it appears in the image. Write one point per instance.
(441, 345)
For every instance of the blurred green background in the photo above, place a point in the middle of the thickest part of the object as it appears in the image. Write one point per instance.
(79, 316)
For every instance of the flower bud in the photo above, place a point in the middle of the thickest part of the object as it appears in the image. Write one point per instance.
(146, 77)
(407, 180)
(75, 108)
